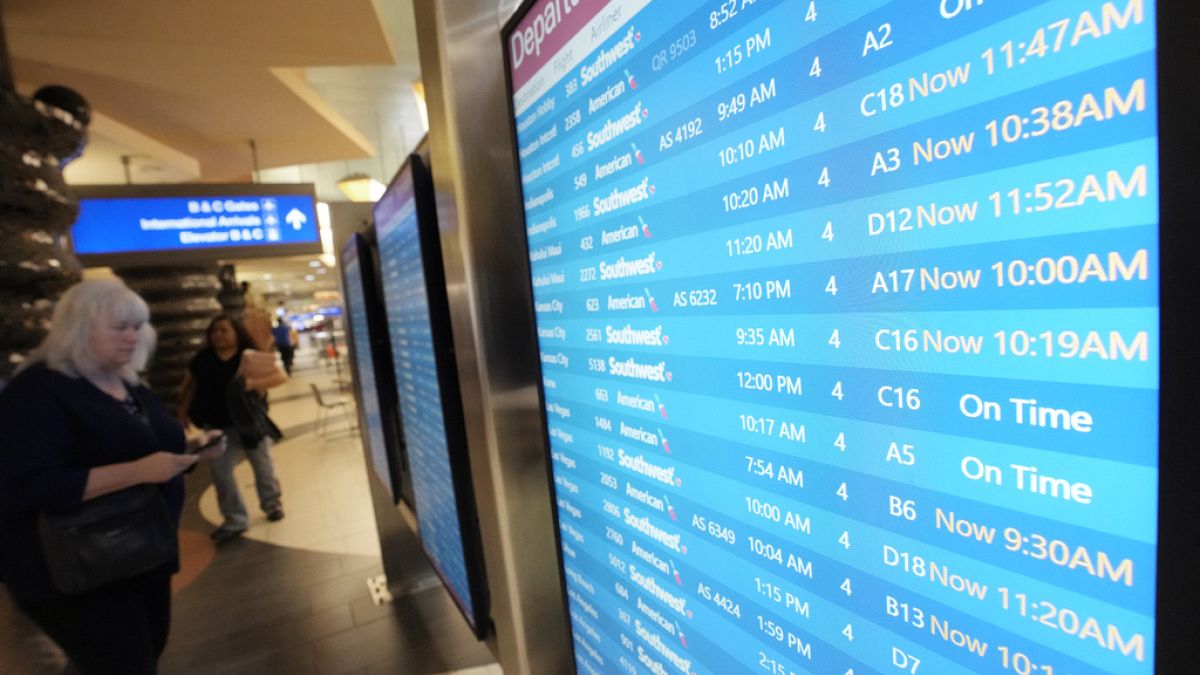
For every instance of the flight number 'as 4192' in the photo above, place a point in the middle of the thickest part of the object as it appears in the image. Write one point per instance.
(681, 134)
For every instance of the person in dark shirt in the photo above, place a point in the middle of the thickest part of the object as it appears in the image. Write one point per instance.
(205, 403)
(77, 425)
(283, 342)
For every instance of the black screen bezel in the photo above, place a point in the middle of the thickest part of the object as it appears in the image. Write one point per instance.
(1178, 552)
(531, 316)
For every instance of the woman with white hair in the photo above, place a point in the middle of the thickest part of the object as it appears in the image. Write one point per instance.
(76, 424)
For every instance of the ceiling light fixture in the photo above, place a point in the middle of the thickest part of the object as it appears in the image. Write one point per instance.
(359, 187)
(325, 225)
(418, 88)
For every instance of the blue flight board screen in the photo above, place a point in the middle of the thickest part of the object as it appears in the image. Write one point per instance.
(411, 333)
(364, 361)
(848, 327)
(113, 225)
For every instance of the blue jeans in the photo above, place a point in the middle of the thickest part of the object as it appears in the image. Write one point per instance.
(229, 497)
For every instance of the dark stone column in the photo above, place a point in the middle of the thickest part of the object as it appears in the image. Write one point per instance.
(38, 136)
(182, 302)
(232, 296)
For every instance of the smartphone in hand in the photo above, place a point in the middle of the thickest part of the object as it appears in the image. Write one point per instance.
(210, 443)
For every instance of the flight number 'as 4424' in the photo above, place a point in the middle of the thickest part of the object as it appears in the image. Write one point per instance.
(727, 604)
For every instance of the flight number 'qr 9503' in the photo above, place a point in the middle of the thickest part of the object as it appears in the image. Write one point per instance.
(677, 48)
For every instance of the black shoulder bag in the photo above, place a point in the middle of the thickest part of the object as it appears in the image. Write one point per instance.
(108, 539)
(248, 410)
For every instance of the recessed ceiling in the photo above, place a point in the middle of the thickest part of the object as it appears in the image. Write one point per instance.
(282, 277)
(203, 78)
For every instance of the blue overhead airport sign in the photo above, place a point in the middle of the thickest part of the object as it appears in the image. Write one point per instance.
(197, 221)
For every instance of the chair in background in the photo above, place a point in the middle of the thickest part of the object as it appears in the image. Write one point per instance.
(328, 406)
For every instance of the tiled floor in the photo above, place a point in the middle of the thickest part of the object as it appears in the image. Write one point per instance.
(291, 597)
(325, 492)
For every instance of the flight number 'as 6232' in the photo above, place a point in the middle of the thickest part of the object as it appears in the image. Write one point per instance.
(703, 297)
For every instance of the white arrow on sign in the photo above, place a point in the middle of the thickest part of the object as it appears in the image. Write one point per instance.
(295, 218)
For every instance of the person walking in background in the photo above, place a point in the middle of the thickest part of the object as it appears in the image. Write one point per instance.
(76, 425)
(284, 343)
(222, 379)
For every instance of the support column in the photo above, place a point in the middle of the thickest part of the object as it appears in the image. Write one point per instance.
(183, 300)
(232, 296)
(38, 136)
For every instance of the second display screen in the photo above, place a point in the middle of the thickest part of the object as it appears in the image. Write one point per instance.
(421, 406)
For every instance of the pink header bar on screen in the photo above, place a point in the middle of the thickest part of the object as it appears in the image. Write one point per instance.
(545, 30)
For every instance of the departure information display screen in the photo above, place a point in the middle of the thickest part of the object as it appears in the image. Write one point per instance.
(364, 363)
(848, 325)
(417, 380)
